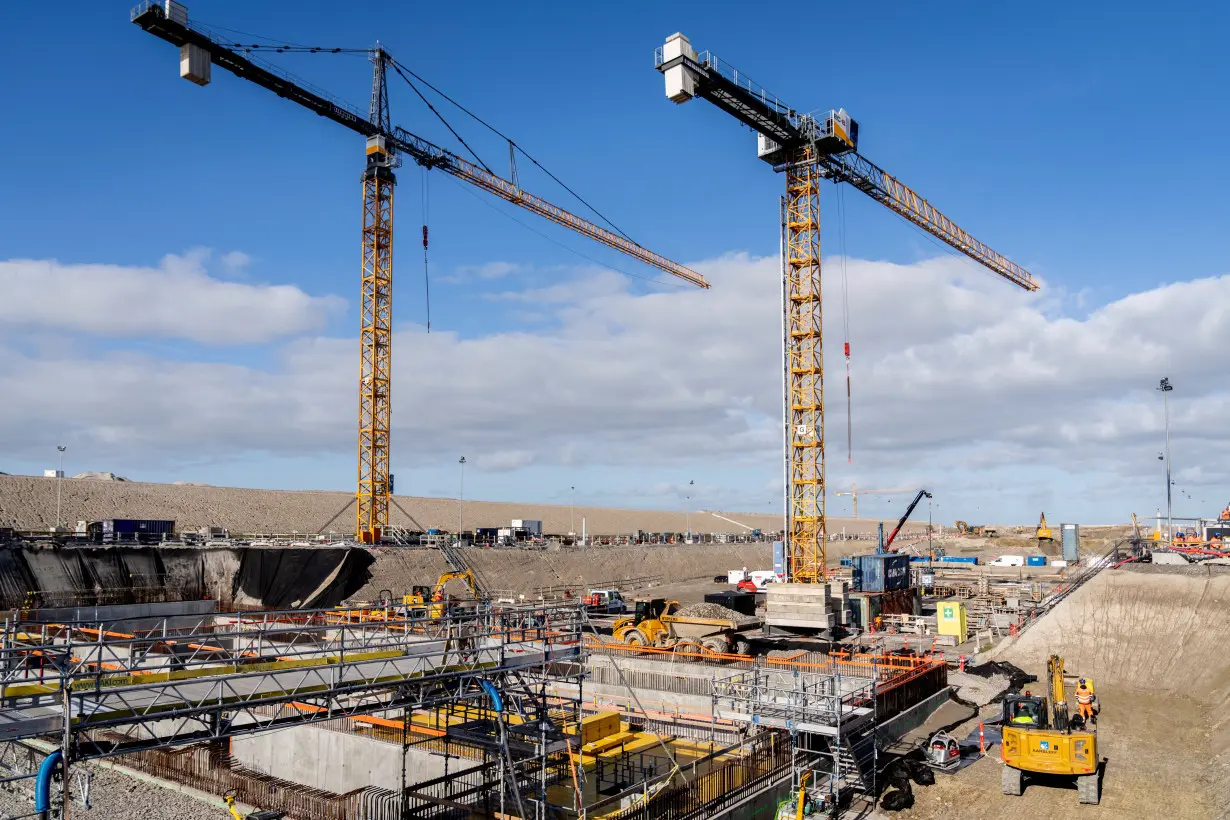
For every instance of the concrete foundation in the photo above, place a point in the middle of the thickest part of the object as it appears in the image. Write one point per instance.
(337, 761)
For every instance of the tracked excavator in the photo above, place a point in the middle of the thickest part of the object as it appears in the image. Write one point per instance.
(1038, 740)
(1043, 533)
(433, 599)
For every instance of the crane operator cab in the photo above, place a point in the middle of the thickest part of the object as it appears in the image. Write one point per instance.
(1025, 711)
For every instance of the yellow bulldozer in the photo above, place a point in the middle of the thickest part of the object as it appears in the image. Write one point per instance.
(1038, 740)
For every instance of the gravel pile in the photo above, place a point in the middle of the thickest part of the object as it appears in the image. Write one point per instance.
(709, 611)
(117, 796)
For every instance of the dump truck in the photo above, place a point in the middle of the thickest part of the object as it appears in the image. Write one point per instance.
(657, 622)
(1038, 740)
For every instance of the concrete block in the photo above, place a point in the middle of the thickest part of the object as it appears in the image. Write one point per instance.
(819, 621)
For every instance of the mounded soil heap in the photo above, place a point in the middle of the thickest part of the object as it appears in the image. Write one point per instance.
(29, 503)
(1154, 642)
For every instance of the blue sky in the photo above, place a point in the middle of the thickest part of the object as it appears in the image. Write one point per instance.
(1084, 143)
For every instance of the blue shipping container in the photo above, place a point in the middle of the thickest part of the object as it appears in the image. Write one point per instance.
(960, 559)
(881, 573)
(847, 562)
(1036, 561)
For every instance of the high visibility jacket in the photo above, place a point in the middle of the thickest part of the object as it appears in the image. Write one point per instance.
(1083, 695)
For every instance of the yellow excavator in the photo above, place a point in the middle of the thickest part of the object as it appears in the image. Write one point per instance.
(1038, 741)
(433, 599)
(1043, 532)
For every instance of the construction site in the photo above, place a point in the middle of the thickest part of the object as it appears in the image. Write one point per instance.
(185, 651)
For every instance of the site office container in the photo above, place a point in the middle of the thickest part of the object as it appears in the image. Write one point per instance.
(144, 531)
(1036, 561)
(960, 559)
(880, 573)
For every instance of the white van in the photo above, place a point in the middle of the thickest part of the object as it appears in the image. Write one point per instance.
(1008, 561)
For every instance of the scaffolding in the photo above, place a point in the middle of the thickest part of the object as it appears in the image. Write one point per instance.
(830, 718)
(187, 679)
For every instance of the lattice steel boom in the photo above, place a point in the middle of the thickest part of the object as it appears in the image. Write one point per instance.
(808, 148)
(199, 50)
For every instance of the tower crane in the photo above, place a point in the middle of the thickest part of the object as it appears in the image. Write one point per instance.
(854, 492)
(808, 148)
(385, 144)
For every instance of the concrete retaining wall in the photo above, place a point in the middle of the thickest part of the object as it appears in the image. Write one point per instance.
(337, 761)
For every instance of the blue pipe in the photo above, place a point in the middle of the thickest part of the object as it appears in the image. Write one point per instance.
(496, 702)
(42, 784)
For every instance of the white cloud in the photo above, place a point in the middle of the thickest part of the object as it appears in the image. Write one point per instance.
(488, 270)
(178, 299)
(993, 395)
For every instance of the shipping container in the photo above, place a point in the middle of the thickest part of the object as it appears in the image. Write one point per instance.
(865, 607)
(847, 561)
(117, 530)
(1036, 560)
(742, 602)
(881, 573)
(960, 559)
(531, 527)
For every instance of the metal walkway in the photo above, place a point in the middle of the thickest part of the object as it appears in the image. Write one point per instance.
(236, 673)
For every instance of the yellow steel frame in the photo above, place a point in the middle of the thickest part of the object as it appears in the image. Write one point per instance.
(807, 528)
(375, 343)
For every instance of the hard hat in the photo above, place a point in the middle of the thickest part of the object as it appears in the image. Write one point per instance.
(1082, 681)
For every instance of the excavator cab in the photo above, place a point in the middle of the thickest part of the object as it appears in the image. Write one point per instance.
(1025, 711)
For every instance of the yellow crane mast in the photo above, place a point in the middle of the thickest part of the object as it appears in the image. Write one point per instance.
(385, 145)
(808, 148)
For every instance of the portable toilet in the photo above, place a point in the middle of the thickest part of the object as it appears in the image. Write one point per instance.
(950, 620)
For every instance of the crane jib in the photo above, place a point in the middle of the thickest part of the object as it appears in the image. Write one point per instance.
(153, 19)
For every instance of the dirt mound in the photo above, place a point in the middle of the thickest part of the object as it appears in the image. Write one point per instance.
(1156, 632)
(514, 572)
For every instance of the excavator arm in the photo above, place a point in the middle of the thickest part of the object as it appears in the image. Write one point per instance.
(463, 575)
(1059, 700)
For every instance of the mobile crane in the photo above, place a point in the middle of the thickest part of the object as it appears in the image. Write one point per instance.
(1038, 742)
(904, 517)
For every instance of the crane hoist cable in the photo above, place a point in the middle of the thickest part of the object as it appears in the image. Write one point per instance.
(426, 278)
(845, 317)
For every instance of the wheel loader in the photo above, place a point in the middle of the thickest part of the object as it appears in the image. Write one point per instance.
(1041, 741)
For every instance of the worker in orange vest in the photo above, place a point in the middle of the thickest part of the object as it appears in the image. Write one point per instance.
(1225, 514)
(1084, 700)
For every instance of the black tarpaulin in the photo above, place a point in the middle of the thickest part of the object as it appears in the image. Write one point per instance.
(15, 580)
(301, 578)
